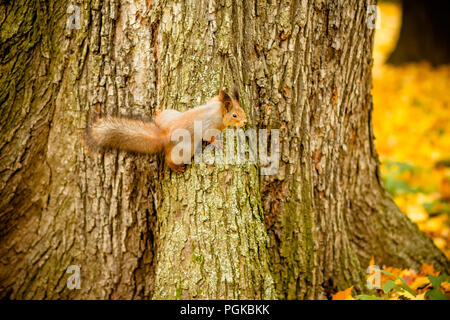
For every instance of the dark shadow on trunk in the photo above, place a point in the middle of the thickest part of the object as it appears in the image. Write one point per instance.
(424, 34)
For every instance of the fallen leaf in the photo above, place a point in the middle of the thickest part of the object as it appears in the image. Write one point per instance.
(428, 269)
(343, 295)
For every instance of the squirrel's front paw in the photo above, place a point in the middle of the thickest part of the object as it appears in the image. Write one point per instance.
(216, 143)
(177, 167)
(180, 168)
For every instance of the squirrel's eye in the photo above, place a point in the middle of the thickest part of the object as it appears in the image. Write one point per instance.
(234, 115)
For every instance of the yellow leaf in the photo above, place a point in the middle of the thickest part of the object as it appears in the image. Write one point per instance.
(446, 286)
(416, 212)
(409, 296)
(420, 282)
(435, 224)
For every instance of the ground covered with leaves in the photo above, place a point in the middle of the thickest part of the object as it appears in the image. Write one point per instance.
(411, 122)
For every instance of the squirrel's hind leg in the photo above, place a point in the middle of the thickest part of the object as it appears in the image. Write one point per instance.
(172, 165)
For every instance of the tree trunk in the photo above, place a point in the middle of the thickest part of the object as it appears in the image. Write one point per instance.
(137, 230)
(424, 33)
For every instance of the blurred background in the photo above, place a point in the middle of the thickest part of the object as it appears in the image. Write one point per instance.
(411, 118)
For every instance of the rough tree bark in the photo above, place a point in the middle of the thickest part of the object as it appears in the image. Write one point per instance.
(140, 231)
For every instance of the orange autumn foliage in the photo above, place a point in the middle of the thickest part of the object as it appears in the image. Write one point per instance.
(411, 120)
(343, 295)
(418, 285)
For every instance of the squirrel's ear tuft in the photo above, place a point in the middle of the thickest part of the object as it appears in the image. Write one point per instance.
(225, 99)
(222, 93)
(235, 93)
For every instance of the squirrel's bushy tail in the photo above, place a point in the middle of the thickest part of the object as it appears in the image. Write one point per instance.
(126, 134)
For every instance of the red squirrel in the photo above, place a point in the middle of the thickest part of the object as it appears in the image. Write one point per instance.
(146, 136)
